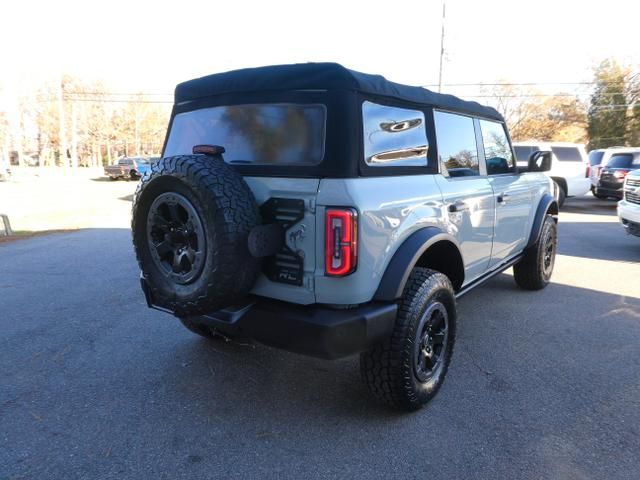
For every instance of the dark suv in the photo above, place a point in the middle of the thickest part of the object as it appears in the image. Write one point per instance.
(613, 174)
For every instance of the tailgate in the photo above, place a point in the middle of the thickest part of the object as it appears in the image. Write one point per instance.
(291, 202)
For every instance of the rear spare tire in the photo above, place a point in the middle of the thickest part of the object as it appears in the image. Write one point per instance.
(191, 218)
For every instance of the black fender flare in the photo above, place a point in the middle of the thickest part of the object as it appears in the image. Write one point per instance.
(547, 202)
(397, 273)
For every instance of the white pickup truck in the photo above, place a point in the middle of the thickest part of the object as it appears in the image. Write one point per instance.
(569, 165)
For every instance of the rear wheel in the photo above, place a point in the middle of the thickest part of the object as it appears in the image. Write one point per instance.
(534, 271)
(407, 370)
(599, 195)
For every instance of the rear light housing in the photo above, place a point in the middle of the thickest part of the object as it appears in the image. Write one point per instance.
(620, 174)
(588, 172)
(341, 241)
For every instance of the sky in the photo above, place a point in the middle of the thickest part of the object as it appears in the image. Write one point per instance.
(149, 46)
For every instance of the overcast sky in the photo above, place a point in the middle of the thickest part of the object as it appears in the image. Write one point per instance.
(150, 46)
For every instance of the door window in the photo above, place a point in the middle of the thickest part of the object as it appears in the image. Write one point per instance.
(457, 150)
(497, 150)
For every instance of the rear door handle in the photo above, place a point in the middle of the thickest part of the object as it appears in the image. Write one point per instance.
(458, 206)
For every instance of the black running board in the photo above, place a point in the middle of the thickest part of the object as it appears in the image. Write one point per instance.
(480, 280)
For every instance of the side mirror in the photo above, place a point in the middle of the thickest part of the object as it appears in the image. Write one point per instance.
(539, 161)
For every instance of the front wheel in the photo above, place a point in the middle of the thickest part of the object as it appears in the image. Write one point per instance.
(534, 271)
(407, 370)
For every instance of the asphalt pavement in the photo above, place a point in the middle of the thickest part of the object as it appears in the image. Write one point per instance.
(95, 385)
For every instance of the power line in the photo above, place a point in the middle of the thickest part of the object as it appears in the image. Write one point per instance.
(115, 94)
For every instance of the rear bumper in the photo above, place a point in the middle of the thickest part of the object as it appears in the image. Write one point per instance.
(314, 330)
(610, 192)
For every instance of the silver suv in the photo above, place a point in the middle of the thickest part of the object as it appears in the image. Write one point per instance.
(330, 212)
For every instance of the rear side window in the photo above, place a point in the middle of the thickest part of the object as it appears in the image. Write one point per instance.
(497, 150)
(282, 134)
(595, 158)
(393, 136)
(457, 150)
(567, 154)
(621, 160)
(523, 152)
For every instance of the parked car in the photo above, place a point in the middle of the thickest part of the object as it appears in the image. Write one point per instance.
(569, 166)
(599, 158)
(127, 168)
(629, 206)
(331, 212)
(614, 172)
(595, 165)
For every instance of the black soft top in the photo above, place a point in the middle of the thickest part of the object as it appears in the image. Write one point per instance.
(321, 76)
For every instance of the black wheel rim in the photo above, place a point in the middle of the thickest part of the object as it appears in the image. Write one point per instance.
(176, 239)
(549, 254)
(431, 342)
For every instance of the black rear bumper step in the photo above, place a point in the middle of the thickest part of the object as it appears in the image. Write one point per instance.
(315, 330)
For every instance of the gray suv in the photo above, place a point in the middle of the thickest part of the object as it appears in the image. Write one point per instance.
(330, 212)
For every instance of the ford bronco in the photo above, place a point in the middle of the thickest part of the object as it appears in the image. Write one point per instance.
(330, 212)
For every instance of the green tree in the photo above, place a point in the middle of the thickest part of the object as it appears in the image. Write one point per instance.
(607, 117)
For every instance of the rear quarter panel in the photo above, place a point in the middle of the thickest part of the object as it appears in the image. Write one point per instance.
(389, 209)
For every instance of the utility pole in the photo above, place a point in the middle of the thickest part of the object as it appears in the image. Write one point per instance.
(441, 48)
(74, 135)
(62, 134)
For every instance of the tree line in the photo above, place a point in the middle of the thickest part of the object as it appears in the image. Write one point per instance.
(70, 122)
(75, 123)
(610, 116)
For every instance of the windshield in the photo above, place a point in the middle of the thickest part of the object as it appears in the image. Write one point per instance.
(595, 157)
(567, 154)
(253, 134)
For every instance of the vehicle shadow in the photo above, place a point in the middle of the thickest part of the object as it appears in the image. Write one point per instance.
(102, 179)
(254, 381)
(577, 239)
(589, 205)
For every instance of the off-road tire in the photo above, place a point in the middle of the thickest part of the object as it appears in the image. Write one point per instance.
(534, 271)
(227, 211)
(388, 369)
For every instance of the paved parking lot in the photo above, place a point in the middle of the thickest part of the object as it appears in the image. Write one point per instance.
(94, 385)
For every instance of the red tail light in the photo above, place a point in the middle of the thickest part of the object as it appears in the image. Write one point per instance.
(588, 173)
(341, 246)
(620, 174)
